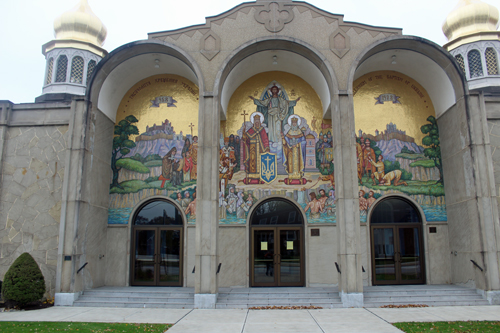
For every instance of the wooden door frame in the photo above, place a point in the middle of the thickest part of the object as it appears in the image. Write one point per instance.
(397, 264)
(276, 265)
(157, 229)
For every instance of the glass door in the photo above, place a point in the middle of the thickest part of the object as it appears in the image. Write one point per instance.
(397, 255)
(157, 258)
(277, 257)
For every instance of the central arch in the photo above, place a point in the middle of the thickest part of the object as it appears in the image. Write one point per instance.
(277, 244)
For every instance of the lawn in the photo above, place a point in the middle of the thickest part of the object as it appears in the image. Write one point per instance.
(450, 326)
(29, 326)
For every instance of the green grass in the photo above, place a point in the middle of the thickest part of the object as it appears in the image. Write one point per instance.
(450, 326)
(415, 187)
(423, 163)
(27, 326)
(155, 163)
(135, 185)
(132, 165)
(410, 156)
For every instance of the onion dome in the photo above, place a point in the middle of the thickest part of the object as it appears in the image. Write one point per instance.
(470, 17)
(80, 24)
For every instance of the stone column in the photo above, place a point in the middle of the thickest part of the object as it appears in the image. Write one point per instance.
(487, 226)
(346, 188)
(207, 221)
(5, 113)
(68, 284)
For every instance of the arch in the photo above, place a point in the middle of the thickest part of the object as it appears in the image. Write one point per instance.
(397, 241)
(491, 61)
(90, 70)
(475, 64)
(77, 65)
(434, 68)
(277, 243)
(159, 233)
(460, 61)
(50, 70)
(62, 68)
(112, 76)
(292, 55)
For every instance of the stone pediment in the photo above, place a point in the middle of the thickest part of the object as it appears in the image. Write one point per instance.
(274, 16)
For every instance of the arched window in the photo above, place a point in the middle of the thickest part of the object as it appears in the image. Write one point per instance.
(460, 61)
(50, 69)
(475, 66)
(395, 210)
(276, 211)
(76, 70)
(90, 69)
(158, 212)
(491, 61)
(62, 68)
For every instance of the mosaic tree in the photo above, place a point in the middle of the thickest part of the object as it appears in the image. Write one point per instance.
(122, 144)
(431, 140)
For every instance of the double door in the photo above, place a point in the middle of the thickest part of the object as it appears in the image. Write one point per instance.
(397, 254)
(157, 256)
(277, 256)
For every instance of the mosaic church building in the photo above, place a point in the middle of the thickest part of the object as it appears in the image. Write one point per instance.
(275, 145)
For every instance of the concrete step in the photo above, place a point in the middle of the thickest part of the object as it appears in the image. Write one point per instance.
(243, 305)
(419, 292)
(97, 298)
(423, 298)
(373, 304)
(136, 293)
(162, 305)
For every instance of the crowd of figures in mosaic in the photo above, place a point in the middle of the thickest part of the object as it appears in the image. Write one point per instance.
(276, 151)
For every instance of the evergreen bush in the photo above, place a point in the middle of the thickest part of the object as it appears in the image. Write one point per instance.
(23, 283)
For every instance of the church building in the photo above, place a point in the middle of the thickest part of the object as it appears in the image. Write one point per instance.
(274, 145)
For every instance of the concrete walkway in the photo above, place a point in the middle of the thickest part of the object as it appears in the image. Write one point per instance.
(262, 321)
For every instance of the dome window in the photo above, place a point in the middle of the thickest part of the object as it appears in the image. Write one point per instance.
(90, 69)
(461, 62)
(76, 70)
(475, 66)
(50, 69)
(62, 68)
(491, 61)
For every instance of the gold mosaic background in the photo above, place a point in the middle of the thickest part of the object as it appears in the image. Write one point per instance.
(308, 107)
(409, 116)
(137, 102)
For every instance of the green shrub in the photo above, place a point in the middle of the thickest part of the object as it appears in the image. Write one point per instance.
(23, 283)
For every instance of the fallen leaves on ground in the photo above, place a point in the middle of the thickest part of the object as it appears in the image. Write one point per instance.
(405, 306)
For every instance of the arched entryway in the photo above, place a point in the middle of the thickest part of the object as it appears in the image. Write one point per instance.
(396, 243)
(157, 234)
(277, 244)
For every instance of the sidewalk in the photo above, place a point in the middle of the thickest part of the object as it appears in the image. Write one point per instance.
(372, 320)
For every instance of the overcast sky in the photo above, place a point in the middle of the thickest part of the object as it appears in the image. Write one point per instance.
(28, 24)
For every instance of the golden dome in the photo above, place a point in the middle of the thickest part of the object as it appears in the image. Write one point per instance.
(470, 17)
(80, 24)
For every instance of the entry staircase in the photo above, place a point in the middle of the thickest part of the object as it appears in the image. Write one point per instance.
(244, 298)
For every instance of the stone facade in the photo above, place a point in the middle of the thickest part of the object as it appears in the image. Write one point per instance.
(33, 167)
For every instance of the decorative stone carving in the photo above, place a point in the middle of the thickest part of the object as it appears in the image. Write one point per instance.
(340, 43)
(210, 45)
(274, 15)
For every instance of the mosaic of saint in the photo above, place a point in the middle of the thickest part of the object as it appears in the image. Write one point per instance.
(155, 146)
(397, 144)
(274, 141)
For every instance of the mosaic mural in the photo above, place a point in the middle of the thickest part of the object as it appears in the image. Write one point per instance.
(274, 141)
(155, 146)
(397, 143)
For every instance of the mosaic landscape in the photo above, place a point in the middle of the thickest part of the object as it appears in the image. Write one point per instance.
(152, 157)
(397, 144)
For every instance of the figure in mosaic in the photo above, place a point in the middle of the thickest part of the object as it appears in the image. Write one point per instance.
(359, 157)
(380, 173)
(256, 143)
(166, 166)
(395, 176)
(368, 154)
(193, 151)
(276, 108)
(191, 208)
(294, 148)
(315, 206)
(231, 200)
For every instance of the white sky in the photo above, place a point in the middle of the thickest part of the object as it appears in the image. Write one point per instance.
(28, 24)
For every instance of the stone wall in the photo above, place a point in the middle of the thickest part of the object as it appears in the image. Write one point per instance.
(30, 197)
